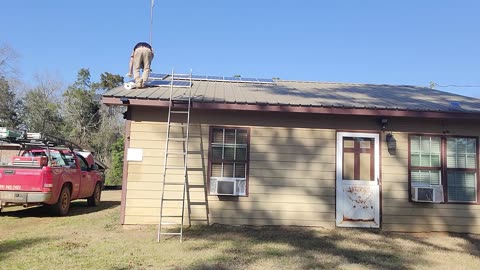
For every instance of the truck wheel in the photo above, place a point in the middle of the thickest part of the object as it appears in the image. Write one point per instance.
(94, 200)
(63, 205)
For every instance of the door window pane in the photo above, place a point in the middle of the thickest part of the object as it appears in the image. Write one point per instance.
(357, 159)
(348, 166)
(365, 167)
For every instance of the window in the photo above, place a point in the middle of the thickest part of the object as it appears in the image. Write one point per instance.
(448, 163)
(83, 163)
(228, 161)
(358, 158)
(462, 169)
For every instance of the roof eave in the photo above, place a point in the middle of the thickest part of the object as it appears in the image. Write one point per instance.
(116, 101)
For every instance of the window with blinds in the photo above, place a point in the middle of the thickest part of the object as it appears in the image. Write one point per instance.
(228, 161)
(445, 161)
(462, 169)
(425, 160)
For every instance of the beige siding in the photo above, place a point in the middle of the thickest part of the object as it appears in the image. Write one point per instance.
(401, 215)
(291, 179)
(292, 172)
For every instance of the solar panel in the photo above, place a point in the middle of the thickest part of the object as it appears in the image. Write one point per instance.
(266, 80)
(182, 76)
(199, 77)
(215, 78)
(249, 79)
(231, 79)
(167, 83)
(157, 83)
(181, 83)
(159, 76)
(186, 77)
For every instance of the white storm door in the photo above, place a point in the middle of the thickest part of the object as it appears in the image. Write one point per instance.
(357, 180)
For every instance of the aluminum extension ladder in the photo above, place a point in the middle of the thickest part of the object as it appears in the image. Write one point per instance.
(181, 107)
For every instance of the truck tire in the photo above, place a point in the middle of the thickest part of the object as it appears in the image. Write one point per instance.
(94, 200)
(63, 205)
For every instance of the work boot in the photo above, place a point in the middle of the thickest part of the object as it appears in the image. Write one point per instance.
(139, 84)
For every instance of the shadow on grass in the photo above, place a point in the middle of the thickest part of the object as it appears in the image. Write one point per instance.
(313, 249)
(77, 208)
(472, 245)
(16, 245)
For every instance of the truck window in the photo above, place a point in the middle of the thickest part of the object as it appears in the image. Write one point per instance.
(83, 163)
(57, 159)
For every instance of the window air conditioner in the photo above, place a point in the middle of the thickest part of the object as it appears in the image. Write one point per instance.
(225, 187)
(431, 194)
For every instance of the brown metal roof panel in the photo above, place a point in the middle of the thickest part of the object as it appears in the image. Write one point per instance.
(157, 93)
(197, 93)
(124, 92)
(249, 93)
(207, 91)
(239, 92)
(114, 91)
(226, 91)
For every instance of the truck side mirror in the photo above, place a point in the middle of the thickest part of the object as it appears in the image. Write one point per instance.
(94, 167)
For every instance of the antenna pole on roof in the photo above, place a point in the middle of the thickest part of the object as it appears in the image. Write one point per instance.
(151, 19)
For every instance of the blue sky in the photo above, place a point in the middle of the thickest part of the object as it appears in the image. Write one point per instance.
(392, 42)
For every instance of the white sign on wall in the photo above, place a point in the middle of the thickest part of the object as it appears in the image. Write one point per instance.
(134, 154)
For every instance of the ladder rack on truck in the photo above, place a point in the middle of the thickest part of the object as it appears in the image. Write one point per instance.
(32, 139)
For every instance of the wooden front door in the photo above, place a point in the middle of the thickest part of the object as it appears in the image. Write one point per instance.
(357, 184)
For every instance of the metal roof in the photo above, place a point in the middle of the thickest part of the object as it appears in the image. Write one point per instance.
(313, 94)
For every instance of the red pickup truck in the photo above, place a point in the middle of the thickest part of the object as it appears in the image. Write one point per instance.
(50, 176)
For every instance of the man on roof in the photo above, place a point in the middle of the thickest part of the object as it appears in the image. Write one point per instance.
(141, 58)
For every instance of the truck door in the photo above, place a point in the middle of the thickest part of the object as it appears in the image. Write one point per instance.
(86, 180)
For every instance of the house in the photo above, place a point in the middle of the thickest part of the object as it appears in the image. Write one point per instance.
(264, 152)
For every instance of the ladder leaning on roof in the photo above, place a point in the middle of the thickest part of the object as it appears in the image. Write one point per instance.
(182, 111)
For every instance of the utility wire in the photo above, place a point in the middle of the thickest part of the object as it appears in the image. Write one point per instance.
(455, 85)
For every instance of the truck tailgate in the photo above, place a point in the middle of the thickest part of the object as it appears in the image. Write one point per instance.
(21, 179)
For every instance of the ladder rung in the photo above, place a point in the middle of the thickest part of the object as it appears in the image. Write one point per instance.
(178, 111)
(196, 186)
(178, 124)
(198, 219)
(169, 223)
(175, 183)
(171, 216)
(170, 233)
(176, 153)
(178, 139)
(198, 203)
(175, 167)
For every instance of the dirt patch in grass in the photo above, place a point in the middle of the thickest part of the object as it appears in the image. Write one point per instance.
(91, 238)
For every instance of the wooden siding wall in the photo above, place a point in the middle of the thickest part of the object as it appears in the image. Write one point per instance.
(401, 215)
(292, 172)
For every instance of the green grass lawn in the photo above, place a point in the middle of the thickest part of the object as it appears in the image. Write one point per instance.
(91, 238)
